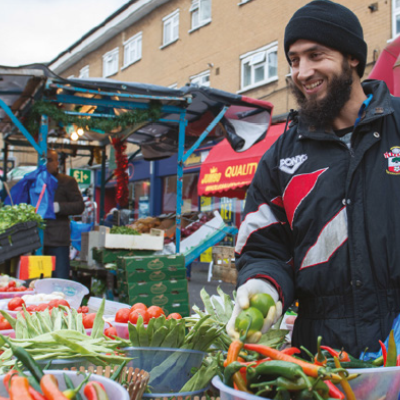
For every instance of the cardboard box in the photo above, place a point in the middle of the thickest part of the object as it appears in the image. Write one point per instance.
(104, 256)
(152, 263)
(170, 287)
(153, 241)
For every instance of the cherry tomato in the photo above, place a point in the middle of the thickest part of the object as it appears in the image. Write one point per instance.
(138, 306)
(4, 324)
(122, 315)
(43, 306)
(134, 316)
(155, 312)
(110, 331)
(174, 315)
(15, 302)
(88, 320)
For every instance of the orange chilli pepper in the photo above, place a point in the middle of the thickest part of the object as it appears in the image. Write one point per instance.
(19, 389)
(49, 386)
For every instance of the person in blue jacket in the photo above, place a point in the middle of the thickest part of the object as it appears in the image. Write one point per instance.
(322, 224)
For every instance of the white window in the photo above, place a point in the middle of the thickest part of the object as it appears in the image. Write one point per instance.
(259, 67)
(396, 18)
(201, 12)
(133, 49)
(202, 79)
(110, 63)
(84, 72)
(171, 28)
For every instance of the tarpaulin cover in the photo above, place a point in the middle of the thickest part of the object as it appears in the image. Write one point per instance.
(244, 124)
(226, 173)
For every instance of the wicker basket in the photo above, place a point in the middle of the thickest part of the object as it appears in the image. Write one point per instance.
(223, 268)
(135, 380)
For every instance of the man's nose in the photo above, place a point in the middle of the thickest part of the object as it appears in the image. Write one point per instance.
(305, 70)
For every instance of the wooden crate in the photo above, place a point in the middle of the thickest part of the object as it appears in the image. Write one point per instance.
(223, 268)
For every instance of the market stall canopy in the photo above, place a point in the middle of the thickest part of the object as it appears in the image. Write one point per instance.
(245, 122)
(226, 173)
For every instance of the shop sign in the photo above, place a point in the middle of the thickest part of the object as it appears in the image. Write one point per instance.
(82, 176)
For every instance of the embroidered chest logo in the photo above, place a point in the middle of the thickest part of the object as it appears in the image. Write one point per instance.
(393, 157)
(291, 164)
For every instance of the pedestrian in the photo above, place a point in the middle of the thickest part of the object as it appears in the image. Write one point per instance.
(321, 219)
(67, 201)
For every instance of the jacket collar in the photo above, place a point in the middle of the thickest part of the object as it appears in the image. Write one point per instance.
(379, 106)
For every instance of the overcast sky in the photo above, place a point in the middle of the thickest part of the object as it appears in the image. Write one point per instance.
(34, 31)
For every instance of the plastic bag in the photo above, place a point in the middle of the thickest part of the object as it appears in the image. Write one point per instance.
(396, 330)
(29, 188)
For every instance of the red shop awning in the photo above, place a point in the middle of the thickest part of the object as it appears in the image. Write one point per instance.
(226, 173)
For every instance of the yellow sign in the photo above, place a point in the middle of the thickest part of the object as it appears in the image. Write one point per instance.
(36, 266)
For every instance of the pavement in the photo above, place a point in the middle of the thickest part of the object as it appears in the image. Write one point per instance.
(198, 281)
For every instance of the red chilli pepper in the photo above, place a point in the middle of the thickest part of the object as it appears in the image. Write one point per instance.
(334, 391)
(35, 394)
(383, 352)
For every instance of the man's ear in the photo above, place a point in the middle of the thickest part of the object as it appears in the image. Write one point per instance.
(353, 61)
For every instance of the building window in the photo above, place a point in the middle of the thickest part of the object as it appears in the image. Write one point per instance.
(133, 49)
(84, 72)
(396, 17)
(110, 63)
(202, 79)
(259, 67)
(171, 28)
(201, 13)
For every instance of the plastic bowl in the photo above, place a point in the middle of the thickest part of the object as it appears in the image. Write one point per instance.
(376, 383)
(11, 295)
(114, 390)
(74, 291)
(169, 369)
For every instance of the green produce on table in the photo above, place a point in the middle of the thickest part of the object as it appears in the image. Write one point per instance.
(12, 215)
(124, 230)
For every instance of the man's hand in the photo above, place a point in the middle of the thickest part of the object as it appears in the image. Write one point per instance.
(250, 288)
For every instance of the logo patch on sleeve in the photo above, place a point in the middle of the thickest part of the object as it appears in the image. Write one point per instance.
(393, 157)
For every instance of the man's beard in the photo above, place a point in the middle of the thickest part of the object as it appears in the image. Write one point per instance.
(323, 112)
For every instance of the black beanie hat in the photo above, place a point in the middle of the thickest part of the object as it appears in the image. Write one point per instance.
(330, 24)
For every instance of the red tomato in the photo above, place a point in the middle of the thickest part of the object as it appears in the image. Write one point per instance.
(138, 306)
(122, 315)
(88, 320)
(14, 303)
(110, 331)
(174, 315)
(43, 306)
(4, 324)
(155, 312)
(134, 316)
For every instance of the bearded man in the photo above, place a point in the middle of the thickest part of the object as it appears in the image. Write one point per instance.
(321, 218)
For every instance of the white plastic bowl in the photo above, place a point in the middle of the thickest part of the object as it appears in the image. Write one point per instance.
(74, 291)
(114, 390)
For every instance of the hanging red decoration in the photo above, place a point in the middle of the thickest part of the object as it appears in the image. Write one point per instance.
(120, 172)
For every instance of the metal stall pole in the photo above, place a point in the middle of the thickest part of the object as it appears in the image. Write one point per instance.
(103, 184)
(179, 200)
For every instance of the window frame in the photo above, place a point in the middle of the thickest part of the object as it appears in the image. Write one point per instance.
(201, 75)
(84, 72)
(395, 13)
(170, 19)
(250, 57)
(196, 7)
(113, 52)
(133, 41)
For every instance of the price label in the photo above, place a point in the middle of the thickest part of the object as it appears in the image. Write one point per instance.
(32, 267)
